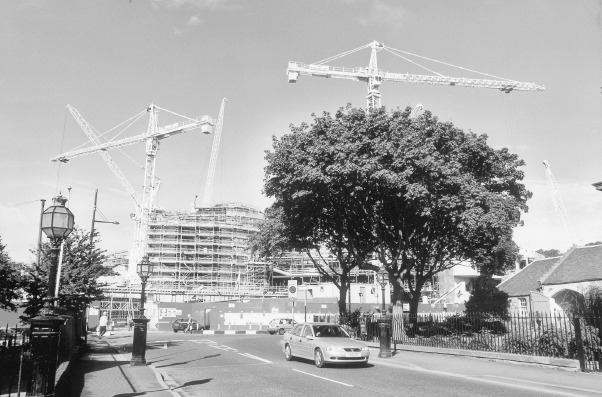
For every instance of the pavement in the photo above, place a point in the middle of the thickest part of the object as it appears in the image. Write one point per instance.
(103, 371)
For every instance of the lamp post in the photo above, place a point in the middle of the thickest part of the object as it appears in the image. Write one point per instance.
(57, 223)
(384, 322)
(144, 271)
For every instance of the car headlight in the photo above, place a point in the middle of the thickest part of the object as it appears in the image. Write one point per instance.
(365, 348)
(334, 349)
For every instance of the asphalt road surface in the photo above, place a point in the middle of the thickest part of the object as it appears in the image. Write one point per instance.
(254, 365)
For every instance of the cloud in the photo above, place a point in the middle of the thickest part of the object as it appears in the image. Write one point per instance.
(200, 4)
(195, 20)
(383, 13)
(178, 32)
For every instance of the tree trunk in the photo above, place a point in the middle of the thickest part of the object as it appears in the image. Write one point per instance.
(344, 282)
(414, 299)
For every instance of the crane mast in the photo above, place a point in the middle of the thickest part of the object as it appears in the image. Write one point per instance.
(214, 151)
(563, 217)
(374, 76)
(152, 137)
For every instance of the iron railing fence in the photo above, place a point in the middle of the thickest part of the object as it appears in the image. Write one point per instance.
(15, 361)
(577, 336)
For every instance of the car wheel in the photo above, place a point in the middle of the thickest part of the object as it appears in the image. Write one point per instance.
(175, 330)
(319, 358)
(272, 333)
(202, 329)
(288, 355)
(281, 331)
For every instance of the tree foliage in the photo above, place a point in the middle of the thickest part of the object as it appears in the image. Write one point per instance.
(487, 298)
(271, 241)
(551, 253)
(81, 268)
(10, 280)
(422, 194)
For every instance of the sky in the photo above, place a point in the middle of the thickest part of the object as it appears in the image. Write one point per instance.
(111, 59)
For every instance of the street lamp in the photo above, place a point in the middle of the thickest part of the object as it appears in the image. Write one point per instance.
(57, 223)
(384, 322)
(144, 270)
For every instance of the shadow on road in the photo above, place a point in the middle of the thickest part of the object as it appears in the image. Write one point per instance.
(186, 362)
(195, 383)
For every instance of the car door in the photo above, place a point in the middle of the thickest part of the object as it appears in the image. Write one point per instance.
(305, 344)
(293, 339)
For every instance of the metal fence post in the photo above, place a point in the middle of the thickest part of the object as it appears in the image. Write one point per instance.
(579, 342)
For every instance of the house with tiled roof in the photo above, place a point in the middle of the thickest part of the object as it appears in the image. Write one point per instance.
(523, 288)
(555, 284)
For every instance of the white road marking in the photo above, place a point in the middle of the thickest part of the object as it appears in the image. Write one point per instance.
(202, 341)
(321, 377)
(225, 348)
(546, 384)
(255, 357)
(480, 379)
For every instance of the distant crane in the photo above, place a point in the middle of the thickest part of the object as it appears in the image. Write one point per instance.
(152, 137)
(374, 77)
(214, 150)
(563, 217)
(415, 111)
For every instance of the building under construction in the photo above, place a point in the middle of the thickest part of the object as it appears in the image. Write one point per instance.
(204, 252)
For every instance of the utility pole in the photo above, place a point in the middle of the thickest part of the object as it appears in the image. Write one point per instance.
(40, 233)
(93, 218)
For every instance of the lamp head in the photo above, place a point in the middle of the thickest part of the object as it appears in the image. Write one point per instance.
(145, 268)
(57, 220)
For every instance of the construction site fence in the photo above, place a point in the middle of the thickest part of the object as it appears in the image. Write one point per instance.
(568, 336)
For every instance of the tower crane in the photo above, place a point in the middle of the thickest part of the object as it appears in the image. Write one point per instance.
(374, 76)
(152, 138)
(214, 150)
(563, 217)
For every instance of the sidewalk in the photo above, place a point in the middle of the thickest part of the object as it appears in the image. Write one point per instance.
(102, 371)
(441, 362)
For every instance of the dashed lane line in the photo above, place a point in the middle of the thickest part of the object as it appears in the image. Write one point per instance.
(321, 377)
(255, 357)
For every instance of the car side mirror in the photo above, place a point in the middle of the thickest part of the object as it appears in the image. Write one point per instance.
(310, 337)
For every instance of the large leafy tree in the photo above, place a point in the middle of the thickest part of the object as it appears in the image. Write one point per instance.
(81, 267)
(422, 194)
(10, 280)
(487, 298)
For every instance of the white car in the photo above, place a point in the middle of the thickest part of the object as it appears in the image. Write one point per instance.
(323, 343)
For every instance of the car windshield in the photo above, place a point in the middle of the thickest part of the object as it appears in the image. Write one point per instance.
(329, 331)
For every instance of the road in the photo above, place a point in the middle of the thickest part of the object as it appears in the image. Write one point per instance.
(254, 365)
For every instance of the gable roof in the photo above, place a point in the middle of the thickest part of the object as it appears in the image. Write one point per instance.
(527, 279)
(578, 265)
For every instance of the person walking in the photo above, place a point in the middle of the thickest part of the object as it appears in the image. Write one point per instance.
(102, 325)
(129, 322)
(189, 324)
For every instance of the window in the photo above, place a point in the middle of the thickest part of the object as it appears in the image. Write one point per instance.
(523, 306)
(296, 330)
(307, 331)
(330, 331)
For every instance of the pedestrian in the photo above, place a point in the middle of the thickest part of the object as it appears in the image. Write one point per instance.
(189, 324)
(129, 322)
(102, 324)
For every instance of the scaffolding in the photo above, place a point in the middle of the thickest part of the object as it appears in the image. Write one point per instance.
(204, 252)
